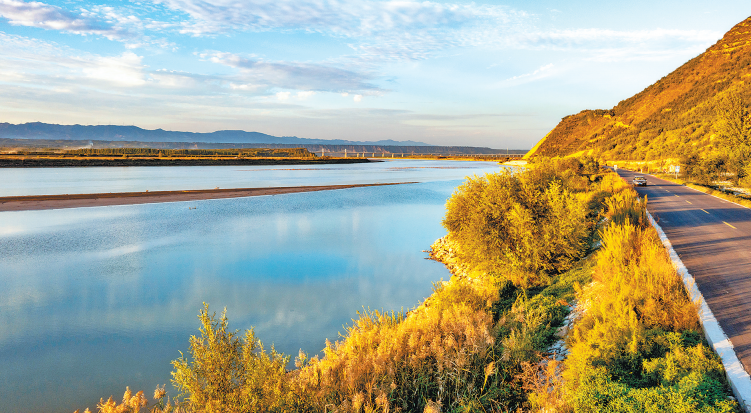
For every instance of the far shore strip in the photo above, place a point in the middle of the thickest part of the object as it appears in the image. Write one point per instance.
(40, 202)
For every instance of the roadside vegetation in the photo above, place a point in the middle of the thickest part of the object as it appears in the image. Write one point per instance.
(524, 248)
(637, 346)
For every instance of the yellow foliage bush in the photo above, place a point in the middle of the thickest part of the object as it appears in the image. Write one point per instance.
(527, 225)
(227, 374)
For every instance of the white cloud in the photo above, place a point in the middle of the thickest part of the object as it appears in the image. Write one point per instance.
(357, 98)
(123, 70)
(44, 16)
(180, 80)
(41, 65)
(283, 95)
(305, 94)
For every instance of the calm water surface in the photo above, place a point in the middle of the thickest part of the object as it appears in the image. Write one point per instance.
(52, 181)
(94, 299)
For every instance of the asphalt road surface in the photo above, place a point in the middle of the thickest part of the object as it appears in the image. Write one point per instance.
(713, 239)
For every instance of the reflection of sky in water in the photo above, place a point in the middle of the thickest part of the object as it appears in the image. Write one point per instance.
(94, 299)
(47, 181)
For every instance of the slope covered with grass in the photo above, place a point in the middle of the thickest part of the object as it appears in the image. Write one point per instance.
(677, 116)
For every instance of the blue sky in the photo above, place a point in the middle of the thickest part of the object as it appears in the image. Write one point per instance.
(493, 73)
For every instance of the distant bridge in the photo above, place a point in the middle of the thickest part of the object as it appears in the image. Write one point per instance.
(351, 154)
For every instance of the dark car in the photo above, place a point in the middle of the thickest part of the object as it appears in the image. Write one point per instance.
(640, 181)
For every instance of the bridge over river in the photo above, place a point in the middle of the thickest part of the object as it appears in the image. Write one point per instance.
(399, 155)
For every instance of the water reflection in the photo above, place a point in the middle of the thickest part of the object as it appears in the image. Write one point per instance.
(47, 181)
(94, 299)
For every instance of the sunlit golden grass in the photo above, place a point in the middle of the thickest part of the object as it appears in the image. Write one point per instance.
(441, 349)
(636, 288)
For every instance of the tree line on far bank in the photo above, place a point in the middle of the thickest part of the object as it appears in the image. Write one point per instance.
(152, 152)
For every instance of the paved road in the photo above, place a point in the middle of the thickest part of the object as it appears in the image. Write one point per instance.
(713, 239)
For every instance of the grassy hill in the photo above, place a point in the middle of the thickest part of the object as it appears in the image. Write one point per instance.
(676, 117)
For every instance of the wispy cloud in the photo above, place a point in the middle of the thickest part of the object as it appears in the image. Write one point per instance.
(540, 73)
(47, 65)
(376, 31)
(350, 18)
(397, 30)
(291, 75)
(605, 39)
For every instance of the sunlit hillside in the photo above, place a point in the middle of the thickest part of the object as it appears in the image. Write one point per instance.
(675, 117)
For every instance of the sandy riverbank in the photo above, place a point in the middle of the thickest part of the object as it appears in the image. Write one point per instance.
(39, 202)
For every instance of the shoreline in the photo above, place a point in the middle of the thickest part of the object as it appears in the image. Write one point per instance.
(44, 202)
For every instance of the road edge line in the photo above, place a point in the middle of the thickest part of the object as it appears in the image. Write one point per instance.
(739, 380)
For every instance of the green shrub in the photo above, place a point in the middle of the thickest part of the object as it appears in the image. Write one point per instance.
(223, 373)
(526, 226)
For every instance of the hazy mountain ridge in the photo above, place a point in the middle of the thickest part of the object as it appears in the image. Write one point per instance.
(674, 116)
(13, 145)
(47, 131)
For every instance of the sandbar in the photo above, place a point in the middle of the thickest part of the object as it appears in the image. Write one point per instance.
(41, 202)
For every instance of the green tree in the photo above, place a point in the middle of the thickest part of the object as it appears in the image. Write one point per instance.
(734, 129)
(527, 225)
(225, 374)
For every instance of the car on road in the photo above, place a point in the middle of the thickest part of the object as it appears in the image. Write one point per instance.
(640, 181)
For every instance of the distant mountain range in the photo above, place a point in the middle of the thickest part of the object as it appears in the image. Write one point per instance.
(47, 131)
(52, 136)
(675, 116)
